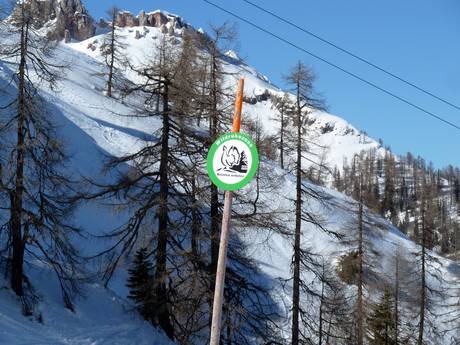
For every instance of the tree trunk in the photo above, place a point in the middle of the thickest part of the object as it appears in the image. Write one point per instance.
(214, 212)
(195, 223)
(329, 327)
(282, 139)
(298, 220)
(396, 292)
(360, 311)
(214, 227)
(421, 326)
(17, 194)
(228, 338)
(320, 328)
(161, 295)
(112, 57)
(213, 125)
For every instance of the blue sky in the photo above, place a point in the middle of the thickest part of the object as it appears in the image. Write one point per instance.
(418, 40)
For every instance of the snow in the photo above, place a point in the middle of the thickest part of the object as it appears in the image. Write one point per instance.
(100, 318)
(232, 54)
(94, 126)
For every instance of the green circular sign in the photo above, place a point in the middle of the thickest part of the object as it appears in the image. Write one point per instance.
(232, 161)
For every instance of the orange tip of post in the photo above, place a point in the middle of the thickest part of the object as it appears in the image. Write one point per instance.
(238, 106)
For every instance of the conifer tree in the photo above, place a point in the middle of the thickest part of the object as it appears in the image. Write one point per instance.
(331, 323)
(112, 50)
(301, 80)
(360, 282)
(168, 200)
(381, 323)
(36, 191)
(457, 189)
(150, 187)
(357, 267)
(218, 114)
(426, 269)
(284, 107)
(400, 284)
(140, 284)
(388, 202)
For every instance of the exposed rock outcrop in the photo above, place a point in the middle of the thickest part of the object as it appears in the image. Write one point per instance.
(152, 19)
(103, 24)
(126, 19)
(69, 19)
(142, 19)
(67, 38)
(171, 30)
(57, 16)
(157, 19)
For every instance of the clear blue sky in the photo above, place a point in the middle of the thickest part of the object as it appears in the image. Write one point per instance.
(418, 40)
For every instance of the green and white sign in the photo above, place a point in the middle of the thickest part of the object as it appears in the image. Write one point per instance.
(232, 161)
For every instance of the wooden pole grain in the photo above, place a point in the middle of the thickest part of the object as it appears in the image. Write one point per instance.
(224, 235)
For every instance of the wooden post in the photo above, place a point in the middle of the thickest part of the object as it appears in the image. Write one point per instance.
(224, 236)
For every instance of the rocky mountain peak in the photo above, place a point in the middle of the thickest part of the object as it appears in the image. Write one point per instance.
(69, 19)
(152, 19)
(61, 18)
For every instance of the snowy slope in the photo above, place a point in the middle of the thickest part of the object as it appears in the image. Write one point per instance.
(100, 317)
(341, 138)
(338, 214)
(91, 132)
(93, 128)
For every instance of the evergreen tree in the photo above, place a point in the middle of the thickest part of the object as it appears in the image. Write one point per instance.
(140, 284)
(381, 321)
(337, 182)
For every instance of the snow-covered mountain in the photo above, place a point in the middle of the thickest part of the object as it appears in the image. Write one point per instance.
(340, 137)
(92, 127)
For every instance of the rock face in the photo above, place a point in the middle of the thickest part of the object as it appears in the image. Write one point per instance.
(126, 19)
(142, 19)
(57, 16)
(163, 29)
(69, 19)
(67, 38)
(153, 19)
(157, 19)
(103, 23)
